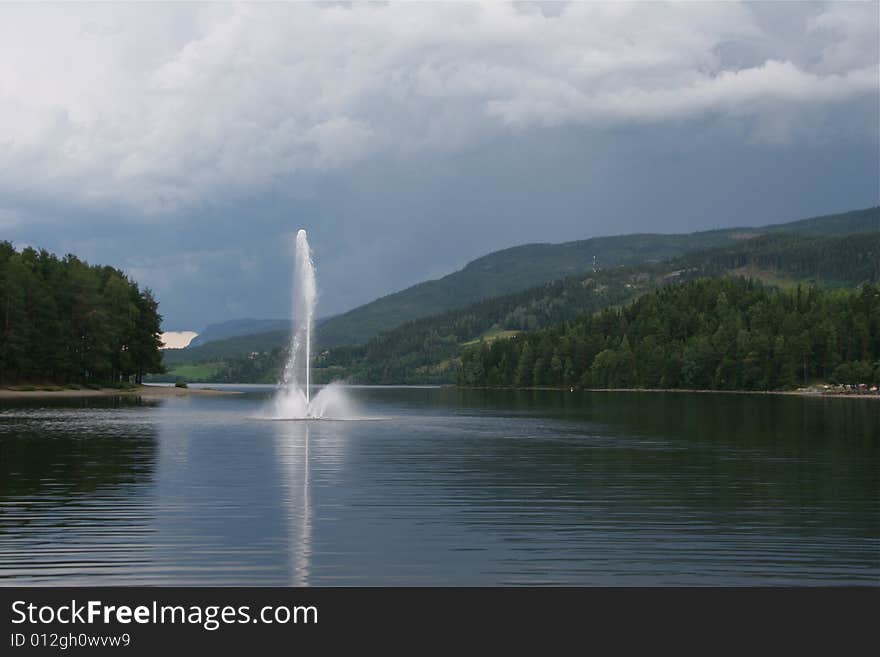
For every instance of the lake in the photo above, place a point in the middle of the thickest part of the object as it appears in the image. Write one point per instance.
(442, 487)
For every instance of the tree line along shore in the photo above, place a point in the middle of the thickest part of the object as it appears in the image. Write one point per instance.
(708, 334)
(70, 323)
(823, 391)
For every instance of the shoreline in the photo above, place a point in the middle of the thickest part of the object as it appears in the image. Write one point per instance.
(794, 393)
(150, 391)
(153, 391)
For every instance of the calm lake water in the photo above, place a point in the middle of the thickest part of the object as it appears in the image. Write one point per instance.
(442, 487)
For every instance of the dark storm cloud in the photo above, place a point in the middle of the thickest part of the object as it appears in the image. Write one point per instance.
(187, 144)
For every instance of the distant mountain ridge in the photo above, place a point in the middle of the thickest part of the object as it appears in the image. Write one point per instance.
(236, 327)
(522, 267)
(234, 338)
(239, 345)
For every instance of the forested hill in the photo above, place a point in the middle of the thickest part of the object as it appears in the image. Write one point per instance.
(428, 350)
(709, 334)
(526, 266)
(64, 321)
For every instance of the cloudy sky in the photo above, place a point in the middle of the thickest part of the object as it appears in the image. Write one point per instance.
(186, 144)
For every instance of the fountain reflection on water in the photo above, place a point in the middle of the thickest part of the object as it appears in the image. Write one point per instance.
(292, 451)
(294, 400)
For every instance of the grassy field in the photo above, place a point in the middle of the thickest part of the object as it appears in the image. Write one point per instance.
(490, 336)
(197, 372)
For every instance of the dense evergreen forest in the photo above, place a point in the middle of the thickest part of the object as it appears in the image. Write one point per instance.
(706, 334)
(64, 321)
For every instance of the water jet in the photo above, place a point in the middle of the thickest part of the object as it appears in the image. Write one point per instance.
(294, 400)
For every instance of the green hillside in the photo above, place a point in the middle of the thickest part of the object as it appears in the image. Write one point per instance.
(523, 267)
(726, 334)
(428, 349)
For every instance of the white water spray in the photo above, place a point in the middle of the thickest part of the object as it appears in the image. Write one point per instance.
(294, 399)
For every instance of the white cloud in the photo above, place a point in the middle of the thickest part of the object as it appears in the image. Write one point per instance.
(155, 109)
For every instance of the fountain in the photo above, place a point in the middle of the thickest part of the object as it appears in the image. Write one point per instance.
(294, 400)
